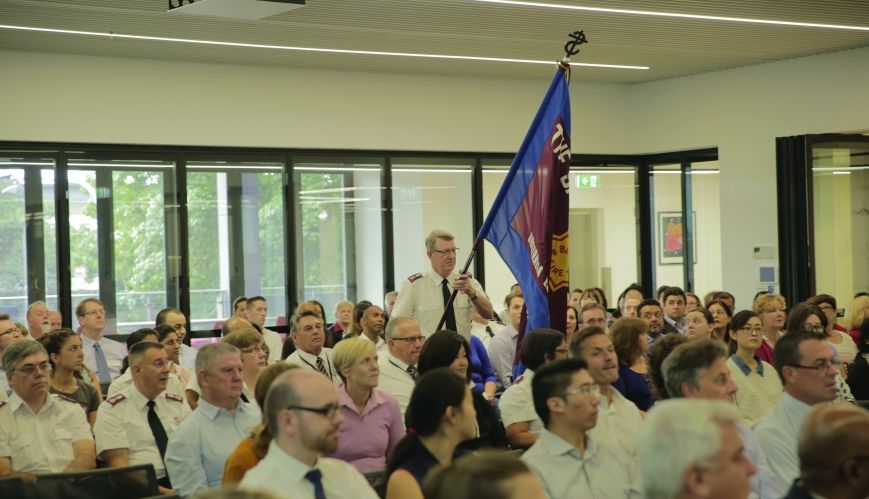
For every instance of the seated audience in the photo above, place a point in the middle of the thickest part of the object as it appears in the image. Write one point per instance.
(236, 323)
(522, 423)
(567, 460)
(303, 414)
(450, 349)
(482, 328)
(134, 426)
(342, 325)
(502, 347)
(194, 457)
(572, 324)
(176, 319)
(631, 341)
(67, 360)
(699, 370)
(827, 304)
(38, 321)
(372, 424)
(832, 451)
(253, 449)
(257, 310)
(126, 378)
(371, 327)
(652, 314)
(308, 335)
(858, 374)
(721, 316)
(692, 302)
(239, 307)
(698, 324)
(725, 297)
(9, 334)
(593, 314)
(772, 309)
(169, 338)
(398, 371)
(40, 433)
(807, 367)
(484, 475)
(673, 303)
(759, 385)
(618, 419)
(657, 354)
(389, 300)
(443, 415)
(808, 317)
(101, 355)
(56, 319)
(691, 448)
(855, 314)
(628, 301)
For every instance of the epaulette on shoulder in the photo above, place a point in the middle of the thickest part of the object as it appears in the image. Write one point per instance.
(414, 277)
(66, 398)
(113, 401)
(2, 403)
(172, 396)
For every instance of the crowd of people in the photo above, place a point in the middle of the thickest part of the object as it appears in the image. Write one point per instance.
(659, 397)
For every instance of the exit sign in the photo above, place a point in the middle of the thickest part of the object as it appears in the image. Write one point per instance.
(588, 181)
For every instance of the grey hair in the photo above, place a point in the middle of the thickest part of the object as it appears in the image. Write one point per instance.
(208, 354)
(294, 320)
(688, 362)
(394, 325)
(30, 307)
(433, 237)
(17, 351)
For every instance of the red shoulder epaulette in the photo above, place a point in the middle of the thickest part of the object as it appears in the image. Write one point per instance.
(414, 277)
(112, 401)
(172, 396)
(66, 398)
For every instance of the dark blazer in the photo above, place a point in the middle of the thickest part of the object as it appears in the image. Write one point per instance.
(669, 328)
(858, 378)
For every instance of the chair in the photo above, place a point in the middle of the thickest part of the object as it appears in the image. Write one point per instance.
(12, 486)
(129, 482)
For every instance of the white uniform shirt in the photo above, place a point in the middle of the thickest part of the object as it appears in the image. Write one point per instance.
(113, 351)
(395, 380)
(778, 433)
(479, 330)
(307, 360)
(284, 476)
(122, 423)
(567, 474)
(517, 404)
(421, 297)
(379, 346)
(42, 443)
(125, 381)
(4, 385)
(618, 425)
(276, 346)
(188, 357)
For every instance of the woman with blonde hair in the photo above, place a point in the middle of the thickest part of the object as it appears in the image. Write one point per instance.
(855, 314)
(372, 424)
(772, 310)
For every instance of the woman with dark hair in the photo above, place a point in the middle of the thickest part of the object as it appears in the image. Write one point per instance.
(450, 349)
(657, 353)
(521, 421)
(858, 374)
(836, 336)
(630, 337)
(441, 415)
(172, 345)
(67, 360)
(759, 385)
(813, 317)
(485, 475)
(721, 315)
(572, 323)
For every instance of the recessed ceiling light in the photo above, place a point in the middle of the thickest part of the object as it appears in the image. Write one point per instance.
(609, 10)
(308, 49)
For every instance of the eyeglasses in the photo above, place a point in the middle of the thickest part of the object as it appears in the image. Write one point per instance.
(452, 251)
(97, 311)
(752, 330)
(30, 369)
(821, 367)
(584, 389)
(13, 329)
(328, 411)
(411, 339)
(815, 328)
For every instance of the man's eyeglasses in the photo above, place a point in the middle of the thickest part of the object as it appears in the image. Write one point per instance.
(13, 329)
(452, 251)
(821, 367)
(328, 411)
(97, 311)
(411, 339)
(30, 369)
(584, 389)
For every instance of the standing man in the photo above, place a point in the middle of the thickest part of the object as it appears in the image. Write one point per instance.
(398, 367)
(257, 309)
(807, 366)
(307, 333)
(424, 296)
(198, 449)
(134, 426)
(303, 414)
(650, 312)
(38, 320)
(9, 334)
(502, 347)
(673, 299)
(102, 356)
(372, 327)
(176, 320)
(40, 433)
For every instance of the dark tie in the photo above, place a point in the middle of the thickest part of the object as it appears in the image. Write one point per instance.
(157, 429)
(489, 330)
(412, 371)
(322, 367)
(103, 373)
(451, 317)
(315, 477)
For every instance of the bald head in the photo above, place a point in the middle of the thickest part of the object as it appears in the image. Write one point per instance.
(832, 451)
(298, 387)
(235, 324)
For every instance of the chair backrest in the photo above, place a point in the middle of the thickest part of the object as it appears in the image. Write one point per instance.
(128, 482)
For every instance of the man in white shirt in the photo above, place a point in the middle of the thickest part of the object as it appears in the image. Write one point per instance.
(257, 309)
(807, 366)
(691, 448)
(502, 347)
(698, 369)
(372, 321)
(484, 329)
(398, 367)
(618, 419)
(303, 414)
(308, 334)
(178, 321)
(424, 296)
(101, 355)
(568, 461)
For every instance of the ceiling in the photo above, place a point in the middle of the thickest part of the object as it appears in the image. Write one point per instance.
(671, 47)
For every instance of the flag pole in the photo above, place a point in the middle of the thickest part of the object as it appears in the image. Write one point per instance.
(448, 308)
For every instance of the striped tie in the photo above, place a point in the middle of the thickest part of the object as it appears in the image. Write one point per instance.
(322, 367)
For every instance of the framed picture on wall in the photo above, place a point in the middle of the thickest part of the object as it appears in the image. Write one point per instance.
(671, 246)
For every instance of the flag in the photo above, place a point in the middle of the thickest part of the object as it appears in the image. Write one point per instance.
(527, 223)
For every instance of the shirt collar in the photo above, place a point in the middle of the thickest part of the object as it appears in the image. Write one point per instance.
(744, 367)
(212, 411)
(311, 357)
(511, 331)
(290, 467)
(437, 279)
(558, 446)
(374, 400)
(800, 409)
(136, 397)
(15, 402)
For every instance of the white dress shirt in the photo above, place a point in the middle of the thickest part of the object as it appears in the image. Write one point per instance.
(517, 404)
(379, 345)
(307, 360)
(187, 358)
(276, 346)
(618, 425)
(284, 476)
(395, 380)
(113, 351)
(778, 433)
(479, 330)
(764, 483)
(421, 297)
(502, 351)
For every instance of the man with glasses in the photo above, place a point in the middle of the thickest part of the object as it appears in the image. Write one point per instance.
(398, 367)
(102, 356)
(568, 462)
(424, 296)
(134, 426)
(40, 433)
(9, 334)
(807, 367)
(176, 320)
(302, 412)
(198, 449)
(309, 335)
(592, 314)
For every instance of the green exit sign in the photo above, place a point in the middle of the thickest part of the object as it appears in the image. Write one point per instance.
(588, 181)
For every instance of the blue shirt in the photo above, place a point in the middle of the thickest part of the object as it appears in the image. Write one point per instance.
(635, 387)
(481, 367)
(200, 446)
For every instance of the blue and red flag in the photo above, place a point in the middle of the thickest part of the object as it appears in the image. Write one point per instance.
(528, 220)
